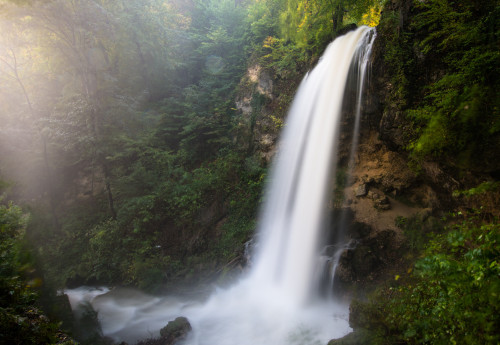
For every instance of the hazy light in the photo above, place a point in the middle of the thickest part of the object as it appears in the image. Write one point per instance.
(214, 64)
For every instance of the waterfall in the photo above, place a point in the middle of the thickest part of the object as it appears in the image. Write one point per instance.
(276, 303)
(357, 75)
(294, 212)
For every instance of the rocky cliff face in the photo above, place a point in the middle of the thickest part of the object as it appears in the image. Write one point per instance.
(263, 100)
(257, 101)
(386, 192)
(383, 193)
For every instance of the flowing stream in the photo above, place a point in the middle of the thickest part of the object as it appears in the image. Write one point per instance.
(277, 301)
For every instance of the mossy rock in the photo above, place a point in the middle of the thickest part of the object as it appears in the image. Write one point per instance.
(176, 329)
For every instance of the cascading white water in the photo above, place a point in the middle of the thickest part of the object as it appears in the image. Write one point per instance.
(294, 213)
(274, 303)
(359, 72)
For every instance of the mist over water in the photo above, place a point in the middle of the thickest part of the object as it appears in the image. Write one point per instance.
(276, 302)
(240, 315)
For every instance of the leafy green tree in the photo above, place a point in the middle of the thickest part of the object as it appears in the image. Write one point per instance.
(204, 111)
(262, 19)
(312, 23)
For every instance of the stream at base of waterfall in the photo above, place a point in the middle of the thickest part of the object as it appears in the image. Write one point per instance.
(241, 315)
(277, 301)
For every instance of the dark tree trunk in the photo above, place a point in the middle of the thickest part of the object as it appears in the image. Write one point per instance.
(110, 199)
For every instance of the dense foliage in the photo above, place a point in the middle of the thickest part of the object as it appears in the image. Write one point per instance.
(464, 102)
(21, 321)
(450, 296)
(312, 23)
(132, 137)
(444, 61)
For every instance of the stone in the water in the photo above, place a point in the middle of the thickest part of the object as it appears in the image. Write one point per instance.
(175, 330)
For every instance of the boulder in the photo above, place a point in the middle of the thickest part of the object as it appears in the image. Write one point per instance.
(175, 330)
(362, 190)
(367, 260)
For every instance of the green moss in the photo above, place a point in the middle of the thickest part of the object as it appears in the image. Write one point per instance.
(457, 115)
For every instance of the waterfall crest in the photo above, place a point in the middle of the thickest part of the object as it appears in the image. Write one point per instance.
(276, 303)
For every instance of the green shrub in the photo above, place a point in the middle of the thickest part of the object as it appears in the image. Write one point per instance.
(15, 262)
(452, 295)
(21, 322)
(417, 230)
